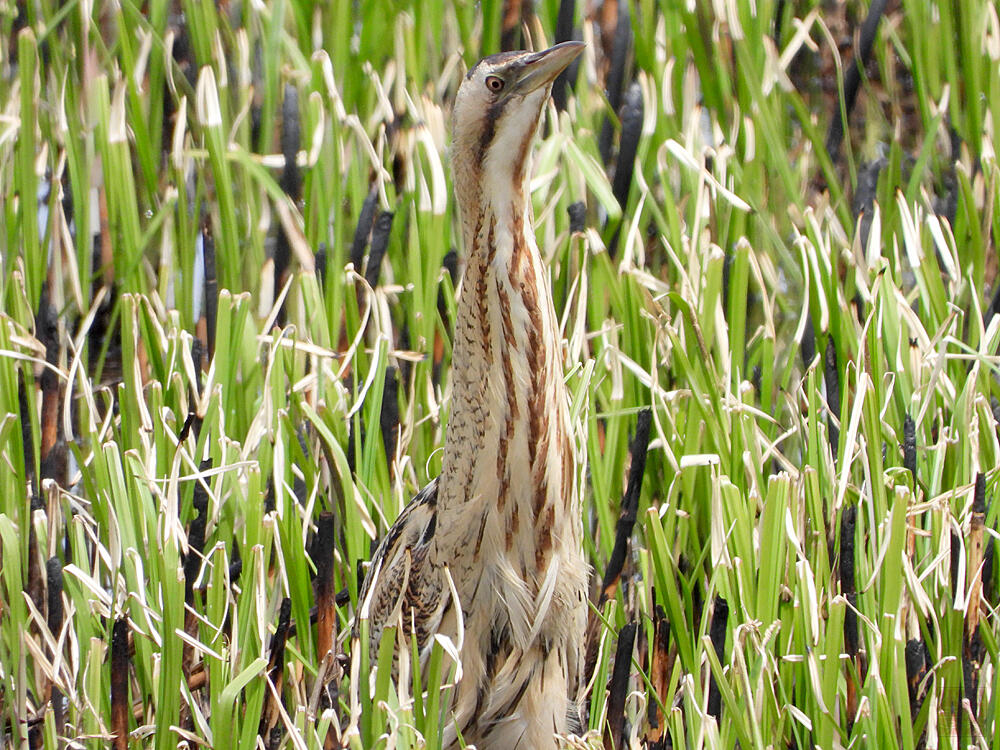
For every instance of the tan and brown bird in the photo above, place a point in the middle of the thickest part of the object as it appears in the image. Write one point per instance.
(503, 518)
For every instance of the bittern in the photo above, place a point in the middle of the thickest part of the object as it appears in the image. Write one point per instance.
(502, 520)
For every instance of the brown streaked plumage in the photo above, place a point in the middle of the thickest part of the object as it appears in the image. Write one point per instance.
(502, 519)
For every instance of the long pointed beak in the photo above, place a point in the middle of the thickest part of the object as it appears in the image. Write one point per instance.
(541, 68)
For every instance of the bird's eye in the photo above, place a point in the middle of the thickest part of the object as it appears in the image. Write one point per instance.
(494, 83)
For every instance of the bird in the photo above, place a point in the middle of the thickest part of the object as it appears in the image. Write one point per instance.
(489, 553)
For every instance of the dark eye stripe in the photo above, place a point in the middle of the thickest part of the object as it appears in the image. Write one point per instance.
(493, 114)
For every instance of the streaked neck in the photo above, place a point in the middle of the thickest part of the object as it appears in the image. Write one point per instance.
(508, 441)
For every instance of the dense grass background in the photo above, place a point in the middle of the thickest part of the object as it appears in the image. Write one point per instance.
(227, 288)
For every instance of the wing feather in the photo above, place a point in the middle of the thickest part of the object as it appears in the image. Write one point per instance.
(401, 579)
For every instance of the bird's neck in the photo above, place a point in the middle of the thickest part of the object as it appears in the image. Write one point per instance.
(508, 449)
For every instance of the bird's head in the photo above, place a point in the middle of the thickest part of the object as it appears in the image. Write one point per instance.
(497, 111)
